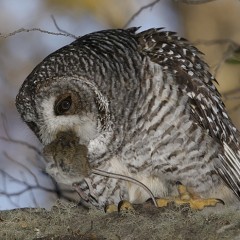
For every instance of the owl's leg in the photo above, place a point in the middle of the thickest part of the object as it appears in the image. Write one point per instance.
(123, 206)
(187, 197)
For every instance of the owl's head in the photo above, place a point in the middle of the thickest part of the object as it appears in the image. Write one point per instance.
(64, 104)
(83, 87)
(80, 99)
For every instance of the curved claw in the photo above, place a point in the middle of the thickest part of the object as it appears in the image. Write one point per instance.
(110, 208)
(220, 201)
(125, 206)
(187, 197)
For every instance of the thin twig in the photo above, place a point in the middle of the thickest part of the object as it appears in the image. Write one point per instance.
(27, 185)
(22, 143)
(20, 30)
(150, 5)
(21, 165)
(61, 30)
(10, 139)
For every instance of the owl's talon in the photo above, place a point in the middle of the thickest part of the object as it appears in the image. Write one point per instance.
(163, 202)
(186, 197)
(220, 201)
(125, 206)
(110, 208)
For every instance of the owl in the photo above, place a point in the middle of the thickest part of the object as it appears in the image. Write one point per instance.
(141, 105)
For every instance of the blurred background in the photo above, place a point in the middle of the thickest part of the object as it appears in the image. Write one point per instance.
(213, 27)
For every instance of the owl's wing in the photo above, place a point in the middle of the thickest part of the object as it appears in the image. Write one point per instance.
(183, 61)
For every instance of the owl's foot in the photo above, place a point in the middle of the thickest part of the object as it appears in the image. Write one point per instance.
(110, 208)
(186, 197)
(123, 206)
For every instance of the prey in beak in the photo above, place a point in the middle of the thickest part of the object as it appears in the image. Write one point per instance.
(67, 159)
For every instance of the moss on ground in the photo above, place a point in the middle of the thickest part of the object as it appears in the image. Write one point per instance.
(67, 221)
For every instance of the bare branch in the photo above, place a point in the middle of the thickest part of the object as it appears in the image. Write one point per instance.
(150, 5)
(61, 30)
(35, 149)
(29, 186)
(21, 165)
(20, 30)
(10, 139)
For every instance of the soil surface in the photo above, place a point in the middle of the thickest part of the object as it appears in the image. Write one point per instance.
(68, 221)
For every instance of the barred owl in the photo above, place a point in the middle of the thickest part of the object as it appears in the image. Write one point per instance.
(144, 105)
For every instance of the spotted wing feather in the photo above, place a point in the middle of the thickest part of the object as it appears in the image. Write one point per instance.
(184, 61)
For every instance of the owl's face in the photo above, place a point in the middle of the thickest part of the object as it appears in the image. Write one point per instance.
(67, 107)
(64, 106)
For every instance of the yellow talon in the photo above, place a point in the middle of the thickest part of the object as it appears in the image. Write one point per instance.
(163, 202)
(110, 208)
(183, 192)
(186, 197)
(125, 206)
(200, 203)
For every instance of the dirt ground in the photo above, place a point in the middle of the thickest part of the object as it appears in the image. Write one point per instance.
(68, 221)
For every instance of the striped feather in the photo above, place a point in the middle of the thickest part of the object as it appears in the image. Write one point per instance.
(191, 73)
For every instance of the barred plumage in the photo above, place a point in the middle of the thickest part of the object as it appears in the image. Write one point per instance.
(145, 106)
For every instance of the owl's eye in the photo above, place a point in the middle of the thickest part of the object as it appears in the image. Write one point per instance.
(63, 105)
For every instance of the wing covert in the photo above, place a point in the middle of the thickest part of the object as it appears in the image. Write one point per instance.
(179, 58)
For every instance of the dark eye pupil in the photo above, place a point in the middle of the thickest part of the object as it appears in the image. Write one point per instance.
(63, 105)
